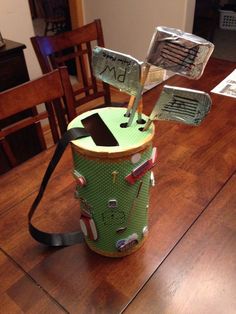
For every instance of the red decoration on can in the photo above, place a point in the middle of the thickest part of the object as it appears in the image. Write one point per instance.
(88, 227)
(142, 169)
(80, 180)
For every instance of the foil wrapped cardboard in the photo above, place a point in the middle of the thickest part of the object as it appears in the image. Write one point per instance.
(117, 69)
(180, 52)
(183, 105)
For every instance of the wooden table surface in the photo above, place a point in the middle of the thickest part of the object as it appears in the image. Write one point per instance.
(187, 264)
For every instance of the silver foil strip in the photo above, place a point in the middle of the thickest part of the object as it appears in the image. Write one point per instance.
(117, 69)
(178, 51)
(183, 105)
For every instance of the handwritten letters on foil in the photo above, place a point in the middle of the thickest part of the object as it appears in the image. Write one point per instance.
(117, 69)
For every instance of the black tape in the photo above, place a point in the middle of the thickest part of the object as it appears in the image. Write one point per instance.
(55, 239)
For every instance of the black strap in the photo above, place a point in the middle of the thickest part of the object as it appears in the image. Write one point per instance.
(55, 239)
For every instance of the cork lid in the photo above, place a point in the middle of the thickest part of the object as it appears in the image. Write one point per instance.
(115, 139)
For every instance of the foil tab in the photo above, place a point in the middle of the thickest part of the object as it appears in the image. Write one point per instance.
(117, 69)
(183, 105)
(183, 53)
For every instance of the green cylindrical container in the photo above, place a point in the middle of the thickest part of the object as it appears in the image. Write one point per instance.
(113, 184)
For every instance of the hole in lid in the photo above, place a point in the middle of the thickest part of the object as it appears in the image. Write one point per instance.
(124, 125)
(127, 114)
(142, 121)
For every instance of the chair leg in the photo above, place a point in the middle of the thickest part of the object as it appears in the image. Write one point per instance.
(60, 113)
(40, 136)
(107, 96)
(7, 150)
(52, 122)
(46, 28)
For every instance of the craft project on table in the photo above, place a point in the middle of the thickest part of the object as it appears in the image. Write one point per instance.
(113, 165)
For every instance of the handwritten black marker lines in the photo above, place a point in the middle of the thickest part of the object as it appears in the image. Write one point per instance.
(114, 58)
(182, 106)
(177, 54)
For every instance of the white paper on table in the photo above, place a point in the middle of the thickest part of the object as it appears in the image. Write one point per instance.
(227, 87)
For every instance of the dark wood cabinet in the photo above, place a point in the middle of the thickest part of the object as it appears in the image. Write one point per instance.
(13, 71)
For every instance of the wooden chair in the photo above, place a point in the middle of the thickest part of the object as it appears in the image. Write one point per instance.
(47, 88)
(75, 46)
(56, 15)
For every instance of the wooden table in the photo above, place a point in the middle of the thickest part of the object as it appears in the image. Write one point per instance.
(188, 263)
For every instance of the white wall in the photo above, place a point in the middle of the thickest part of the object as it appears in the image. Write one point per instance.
(128, 25)
(16, 25)
(189, 15)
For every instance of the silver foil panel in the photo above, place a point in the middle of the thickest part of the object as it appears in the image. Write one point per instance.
(117, 69)
(184, 105)
(180, 52)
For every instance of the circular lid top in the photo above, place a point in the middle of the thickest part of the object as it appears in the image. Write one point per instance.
(127, 138)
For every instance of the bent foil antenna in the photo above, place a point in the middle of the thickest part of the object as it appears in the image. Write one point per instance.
(183, 105)
(117, 69)
(180, 52)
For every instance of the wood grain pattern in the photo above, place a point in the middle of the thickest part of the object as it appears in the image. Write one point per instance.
(193, 166)
(204, 281)
(20, 294)
(26, 179)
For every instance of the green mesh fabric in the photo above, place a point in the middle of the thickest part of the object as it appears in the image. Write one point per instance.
(130, 212)
(100, 189)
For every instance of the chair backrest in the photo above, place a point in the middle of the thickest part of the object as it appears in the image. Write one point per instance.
(75, 46)
(24, 98)
(56, 15)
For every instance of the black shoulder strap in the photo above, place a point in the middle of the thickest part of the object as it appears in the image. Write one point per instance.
(55, 239)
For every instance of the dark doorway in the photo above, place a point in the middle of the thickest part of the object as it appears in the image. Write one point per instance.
(206, 18)
(207, 24)
(50, 17)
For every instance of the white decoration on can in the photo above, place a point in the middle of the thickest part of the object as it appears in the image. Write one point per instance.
(135, 158)
(83, 227)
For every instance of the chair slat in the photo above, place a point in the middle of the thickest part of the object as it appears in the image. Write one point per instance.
(60, 59)
(22, 124)
(75, 45)
(93, 79)
(55, 90)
